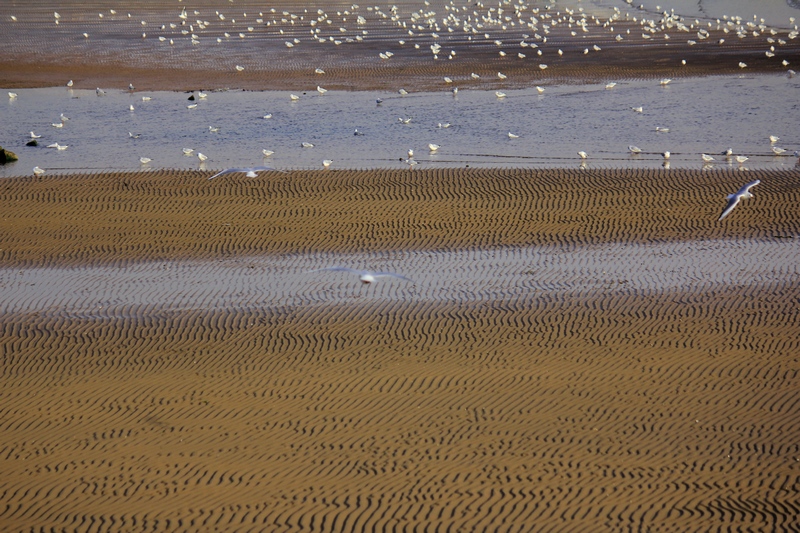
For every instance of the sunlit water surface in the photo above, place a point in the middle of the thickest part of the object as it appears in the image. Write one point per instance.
(703, 115)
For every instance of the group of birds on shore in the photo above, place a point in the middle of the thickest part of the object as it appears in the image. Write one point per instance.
(517, 29)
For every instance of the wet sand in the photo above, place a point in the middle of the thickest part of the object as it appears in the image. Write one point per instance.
(39, 53)
(659, 405)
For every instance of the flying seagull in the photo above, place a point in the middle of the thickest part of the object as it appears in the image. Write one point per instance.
(733, 199)
(251, 172)
(365, 276)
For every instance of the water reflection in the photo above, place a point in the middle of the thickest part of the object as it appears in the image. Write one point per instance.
(702, 115)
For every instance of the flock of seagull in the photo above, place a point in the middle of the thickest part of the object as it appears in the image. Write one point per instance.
(511, 26)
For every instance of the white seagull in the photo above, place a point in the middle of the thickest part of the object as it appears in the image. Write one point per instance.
(37, 171)
(583, 155)
(733, 199)
(707, 158)
(250, 172)
(634, 149)
(365, 276)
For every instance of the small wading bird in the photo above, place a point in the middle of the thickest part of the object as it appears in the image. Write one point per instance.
(250, 172)
(733, 199)
(365, 276)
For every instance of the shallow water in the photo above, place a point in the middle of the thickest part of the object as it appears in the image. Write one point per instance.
(704, 115)
(458, 276)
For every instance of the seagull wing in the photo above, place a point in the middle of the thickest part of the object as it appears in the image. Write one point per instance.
(747, 187)
(391, 275)
(229, 171)
(733, 202)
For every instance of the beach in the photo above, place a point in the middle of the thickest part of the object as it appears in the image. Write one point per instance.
(574, 347)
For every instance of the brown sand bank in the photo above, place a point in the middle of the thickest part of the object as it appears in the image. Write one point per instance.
(169, 215)
(659, 410)
(120, 50)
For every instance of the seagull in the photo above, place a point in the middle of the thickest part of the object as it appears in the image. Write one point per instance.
(144, 160)
(773, 139)
(707, 158)
(307, 145)
(37, 171)
(778, 151)
(512, 136)
(500, 94)
(501, 76)
(69, 83)
(327, 162)
(661, 129)
(239, 68)
(11, 95)
(131, 87)
(319, 71)
(34, 136)
(539, 90)
(321, 90)
(583, 155)
(665, 81)
(410, 153)
(666, 155)
(365, 276)
(611, 85)
(250, 172)
(294, 97)
(267, 153)
(741, 158)
(64, 117)
(402, 120)
(634, 149)
(57, 124)
(728, 152)
(188, 151)
(99, 91)
(213, 129)
(443, 125)
(134, 135)
(202, 95)
(201, 156)
(639, 109)
(433, 147)
(733, 199)
(357, 133)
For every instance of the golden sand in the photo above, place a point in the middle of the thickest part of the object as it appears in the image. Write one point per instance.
(665, 410)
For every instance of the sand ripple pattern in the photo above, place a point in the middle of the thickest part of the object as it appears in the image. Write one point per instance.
(577, 391)
(456, 277)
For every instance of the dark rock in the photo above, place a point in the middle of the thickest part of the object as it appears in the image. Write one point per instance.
(191, 98)
(7, 156)
(32, 142)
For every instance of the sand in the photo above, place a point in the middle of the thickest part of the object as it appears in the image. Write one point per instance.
(39, 53)
(611, 409)
(658, 394)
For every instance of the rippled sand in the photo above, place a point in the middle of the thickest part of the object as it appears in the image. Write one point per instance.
(579, 350)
